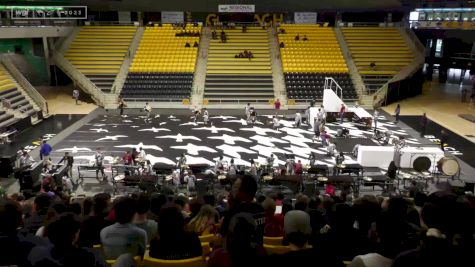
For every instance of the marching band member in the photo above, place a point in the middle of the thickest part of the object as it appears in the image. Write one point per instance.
(276, 123)
(253, 116)
(99, 160)
(205, 116)
(190, 181)
(338, 162)
(141, 157)
(331, 149)
(312, 159)
(148, 111)
(253, 170)
(219, 166)
(247, 110)
(289, 167)
(298, 119)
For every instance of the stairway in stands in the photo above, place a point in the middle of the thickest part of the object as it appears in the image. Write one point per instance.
(239, 80)
(385, 47)
(163, 67)
(15, 103)
(309, 59)
(99, 51)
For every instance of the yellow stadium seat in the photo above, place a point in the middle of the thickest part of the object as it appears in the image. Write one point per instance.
(152, 262)
(274, 241)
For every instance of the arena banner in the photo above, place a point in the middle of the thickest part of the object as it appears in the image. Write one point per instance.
(236, 8)
(305, 17)
(173, 17)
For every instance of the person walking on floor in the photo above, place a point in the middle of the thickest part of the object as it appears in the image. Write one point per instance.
(247, 110)
(375, 119)
(76, 95)
(122, 105)
(444, 138)
(423, 125)
(277, 105)
(397, 112)
(342, 112)
(45, 151)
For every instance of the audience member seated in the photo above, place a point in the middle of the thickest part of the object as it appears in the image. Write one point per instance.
(204, 222)
(195, 44)
(141, 220)
(173, 241)
(297, 37)
(123, 237)
(305, 38)
(63, 233)
(241, 247)
(214, 35)
(282, 45)
(241, 199)
(274, 226)
(40, 209)
(93, 223)
(297, 233)
(187, 45)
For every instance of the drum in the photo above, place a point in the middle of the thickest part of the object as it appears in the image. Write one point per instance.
(367, 179)
(221, 177)
(322, 179)
(168, 178)
(267, 177)
(119, 178)
(421, 164)
(448, 166)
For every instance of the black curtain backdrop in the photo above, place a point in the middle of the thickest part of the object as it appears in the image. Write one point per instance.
(409, 87)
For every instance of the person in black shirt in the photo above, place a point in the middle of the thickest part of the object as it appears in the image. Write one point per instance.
(69, 160)
(444, 138)
(241, 199)
(173, 241)
(423, 124)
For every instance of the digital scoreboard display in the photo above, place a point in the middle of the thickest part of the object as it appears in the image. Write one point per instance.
(49, 12)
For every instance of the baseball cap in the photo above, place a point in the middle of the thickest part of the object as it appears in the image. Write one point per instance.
(297, 221)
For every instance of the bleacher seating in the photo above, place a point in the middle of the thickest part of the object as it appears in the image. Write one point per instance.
(230, 79)
(99, 51)
(163, 68)
(306, 63)
(385, 47)
(12, 98)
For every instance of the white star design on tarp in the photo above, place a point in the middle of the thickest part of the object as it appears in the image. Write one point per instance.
(193, 149)
(241, 121)
(111, 137)
(175, 119)
(271, 116)
(179, 137)
(141, 145)
(287, 123)
(171, 117)
(75, 149)
(154, 160)
(134, 126)
(259, 130)
(231, 140)
(214, 129)
(98, 124)
(190, 160)
(155, 130)
(233, 151)
(99, 130)
(303, 151)
(127, 121)
(189, 123)
(267, 141)
(295, 131)
(48, 136)
(266, 151)
(223, 117)
(300, 141)
(162, 123)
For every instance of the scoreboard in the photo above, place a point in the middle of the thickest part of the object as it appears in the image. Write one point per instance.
(49, 12)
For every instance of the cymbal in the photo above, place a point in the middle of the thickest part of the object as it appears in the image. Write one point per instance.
(367, 178)
(322, 179)
(267, 177)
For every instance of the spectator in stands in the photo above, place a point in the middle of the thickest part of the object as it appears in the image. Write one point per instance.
(244, 28)
(342, 112)
(274, 223)
(40, 210)
(241, 199)
(63, 233)
(241, 248)
(76, 95)
(277, 105)
(304, 38)
(96, 221)
(187, 44)
(156, 203)
(214, 35)
(141, 219)
(195, 44)
(204, 222)
(123, 237)
(69, 161)
(173, 241)
(297, 37)
(282, 31)
(282, 45)
(223, 37)
(372, 65)
(397, 112)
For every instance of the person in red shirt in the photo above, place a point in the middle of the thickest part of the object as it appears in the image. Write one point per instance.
(127, 158)
(277, 104)
(342, 112)
(274, 225)
(298, 168)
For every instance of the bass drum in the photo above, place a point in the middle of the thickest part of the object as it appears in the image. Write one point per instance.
(448, 166)
(421, 164)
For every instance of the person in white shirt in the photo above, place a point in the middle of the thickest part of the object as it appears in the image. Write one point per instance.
(141, 156)
(190, 181)
(331, 149)
(148, 111)
(324, 114)
(298, 119)
(276, 123)
(307, 115)
(26, 160)
(375, 119)
(205, 116)
(219, 165)
(247, 110)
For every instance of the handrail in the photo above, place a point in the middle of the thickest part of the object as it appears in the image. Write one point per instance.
(415, 40)
(329, 81)
(26, 85)
(124, 69)
(79, 78)
(63, 43)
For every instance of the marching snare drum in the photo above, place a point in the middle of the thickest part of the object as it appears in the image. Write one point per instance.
(421, 164)
(448, 166)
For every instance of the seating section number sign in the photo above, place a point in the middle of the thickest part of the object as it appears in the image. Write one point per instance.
(170, 17)
(305, 17)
